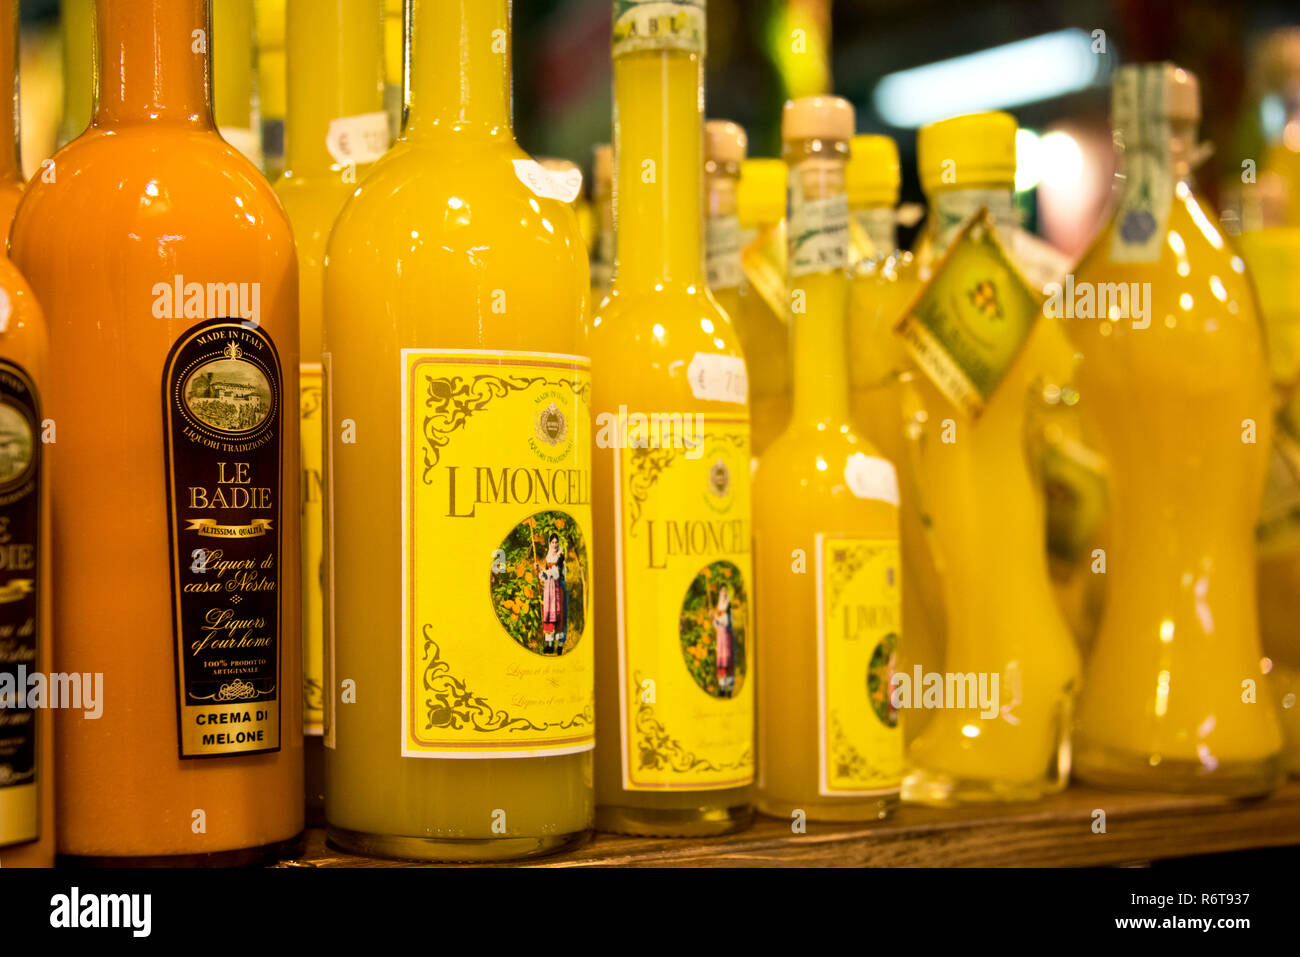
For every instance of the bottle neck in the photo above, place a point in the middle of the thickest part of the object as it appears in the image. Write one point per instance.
(458, 70)
(951, 209)
(153, 63)
(1170, 147)
(77, 32)
(818, 231)
(722, 232)
(334, 53)
(879, 225)
(10, 150)
(659, 180)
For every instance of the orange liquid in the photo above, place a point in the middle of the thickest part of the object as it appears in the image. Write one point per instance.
(150, 192)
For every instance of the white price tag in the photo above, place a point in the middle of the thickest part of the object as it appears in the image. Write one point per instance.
(871, 477)
(549, 184)
(358, 139)
(719, 378)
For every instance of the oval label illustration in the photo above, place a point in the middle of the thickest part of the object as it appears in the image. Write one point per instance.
(880, 676)
(713, 627)
(228, 394)
(539, 583)
(15, 443)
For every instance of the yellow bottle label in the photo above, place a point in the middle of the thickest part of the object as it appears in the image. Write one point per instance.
(858, 625)
(1074, 478)
(685, 574)
(970, 322)
(310, 496)
(496, 570)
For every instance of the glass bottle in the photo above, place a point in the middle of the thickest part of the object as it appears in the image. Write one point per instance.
(1176, 394)
(455, 376)
(825, 528)
(725, 144)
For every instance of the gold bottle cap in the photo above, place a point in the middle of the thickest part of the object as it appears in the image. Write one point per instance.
(873, 175)
(817, 118)
(725, 142)
(962, 152)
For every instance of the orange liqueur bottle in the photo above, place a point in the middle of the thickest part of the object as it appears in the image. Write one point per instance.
(167, 271)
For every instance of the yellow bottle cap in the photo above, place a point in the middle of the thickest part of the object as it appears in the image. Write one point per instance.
(602, 169)
(977, 149)
(873, 175)
(817, 117)
(760, 198)
(1273, 257)
(725, 142)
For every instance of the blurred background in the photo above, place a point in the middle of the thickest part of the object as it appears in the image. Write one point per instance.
(902, 63)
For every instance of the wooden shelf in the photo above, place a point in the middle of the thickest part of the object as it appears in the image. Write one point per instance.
(1055, 832)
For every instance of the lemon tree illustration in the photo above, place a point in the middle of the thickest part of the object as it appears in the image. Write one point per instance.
(516, 585)
(698, 631)
(880, 674)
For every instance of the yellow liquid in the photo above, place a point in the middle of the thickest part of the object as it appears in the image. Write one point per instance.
(1162, 704)
(271, 81)
(658, 316)
(336, 64)
(77, 32)
(985, 503)
(439, 225)
(233, 75)
(880, 374)
(800, 490)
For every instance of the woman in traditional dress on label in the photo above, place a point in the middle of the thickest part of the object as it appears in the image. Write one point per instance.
(723, 636)
(555, 598)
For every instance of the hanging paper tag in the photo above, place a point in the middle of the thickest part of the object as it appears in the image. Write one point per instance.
(972, 319)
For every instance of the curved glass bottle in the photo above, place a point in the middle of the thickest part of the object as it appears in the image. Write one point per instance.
(176, 307)
(725, 144)
(825, 529)
(1178, 400)
(459, 638)
(979, 491)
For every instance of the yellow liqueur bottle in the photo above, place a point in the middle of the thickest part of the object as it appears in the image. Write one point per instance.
(459, 633)
(882, 286)
(675, 685)
(175, 306)
(725, 145)
(1000, 709)
(1271, 256)
(272, 98)
(234, 76)
(1178, 400)
(77, 34)
(394, 61)
(337, 128)
(761, 322)
(825, 528)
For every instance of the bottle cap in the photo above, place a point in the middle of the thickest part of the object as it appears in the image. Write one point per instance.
(977, 149)
(724, 142)
(760, 198)
(873, 175)
(602, 168)
(817, 118)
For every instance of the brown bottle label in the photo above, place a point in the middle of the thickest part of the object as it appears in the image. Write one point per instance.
(222, 395)
(20, 535)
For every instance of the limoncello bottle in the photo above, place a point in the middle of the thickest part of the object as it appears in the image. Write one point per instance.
(1177, 398)
(762, 323)
(26, 742)
(234, 76)
(77, 35)
(675, 688)
(272, 96)
(602, 196)
(173, 316)
(1000, 709)
(882, 286)
(456, 375)
(394, 62)
(337, 128)
(725, 145)
(825, 528)
(1271, 256)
